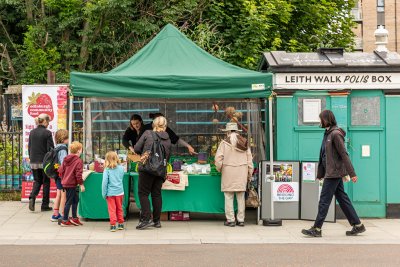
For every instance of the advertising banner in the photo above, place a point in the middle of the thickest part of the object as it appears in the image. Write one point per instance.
(41, 99)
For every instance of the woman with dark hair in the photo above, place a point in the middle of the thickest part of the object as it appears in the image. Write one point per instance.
(40, 142)
(133, 132)
(334, 166)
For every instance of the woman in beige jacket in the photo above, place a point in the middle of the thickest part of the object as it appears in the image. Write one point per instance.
(236, 166)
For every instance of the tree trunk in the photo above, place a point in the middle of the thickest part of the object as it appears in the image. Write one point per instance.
(84, 47)
(65, 39)
(29, 10)
(43, 8)
(6, 55)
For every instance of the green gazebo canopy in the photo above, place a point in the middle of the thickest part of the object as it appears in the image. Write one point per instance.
(172, 66)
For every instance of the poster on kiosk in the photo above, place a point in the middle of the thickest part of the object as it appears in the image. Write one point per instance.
(37, 99)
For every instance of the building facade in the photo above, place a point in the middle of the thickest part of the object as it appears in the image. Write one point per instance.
(369, 14)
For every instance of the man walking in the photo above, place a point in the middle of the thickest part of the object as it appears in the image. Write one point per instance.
(334, 166)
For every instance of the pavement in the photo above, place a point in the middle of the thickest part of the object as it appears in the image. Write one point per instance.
(19, 226)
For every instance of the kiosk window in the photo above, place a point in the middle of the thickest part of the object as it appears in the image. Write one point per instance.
(308, 109)
(365, 111)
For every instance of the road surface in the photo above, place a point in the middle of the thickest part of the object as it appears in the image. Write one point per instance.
(200, 255)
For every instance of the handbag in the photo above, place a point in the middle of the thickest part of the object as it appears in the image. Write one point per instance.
(241, 143)
(252, 200)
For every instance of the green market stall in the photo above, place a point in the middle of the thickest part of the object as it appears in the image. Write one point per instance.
(92, 205)
(192, 199)
(193, 89)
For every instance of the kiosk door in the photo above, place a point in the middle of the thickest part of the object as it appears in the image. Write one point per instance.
(367, 150)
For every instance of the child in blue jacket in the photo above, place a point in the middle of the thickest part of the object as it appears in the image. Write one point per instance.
(113, 190)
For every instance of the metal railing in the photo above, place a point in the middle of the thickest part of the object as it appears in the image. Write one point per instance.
(10, 161)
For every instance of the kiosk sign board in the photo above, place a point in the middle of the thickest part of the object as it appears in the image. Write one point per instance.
(335, 81)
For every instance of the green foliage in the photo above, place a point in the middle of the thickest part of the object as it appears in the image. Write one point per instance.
(10, 157)
(39, 58)
(12, 195)
(97, 35)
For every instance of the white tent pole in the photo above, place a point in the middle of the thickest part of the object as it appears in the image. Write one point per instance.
(71, 108)
(271, 154)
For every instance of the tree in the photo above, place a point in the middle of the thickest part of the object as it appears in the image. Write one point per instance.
(97, 35)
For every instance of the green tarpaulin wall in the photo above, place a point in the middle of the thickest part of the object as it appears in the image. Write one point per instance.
(172, 66)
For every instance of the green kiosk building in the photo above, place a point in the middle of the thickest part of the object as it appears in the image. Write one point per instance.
(363, 91)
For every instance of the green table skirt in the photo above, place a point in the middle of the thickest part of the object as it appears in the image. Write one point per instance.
(92, 205)
(202, 195)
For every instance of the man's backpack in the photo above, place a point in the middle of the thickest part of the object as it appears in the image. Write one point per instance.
(51, 163)
(156, 163)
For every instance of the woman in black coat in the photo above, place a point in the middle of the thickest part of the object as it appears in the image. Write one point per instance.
(148, 182)
(40, 142)
(334, 166)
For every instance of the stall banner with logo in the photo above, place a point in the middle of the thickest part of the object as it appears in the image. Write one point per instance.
(285, 192)
(27, 187)
(38, 99)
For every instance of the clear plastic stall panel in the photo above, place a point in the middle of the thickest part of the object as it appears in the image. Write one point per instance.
(310, 193)
(286, 190)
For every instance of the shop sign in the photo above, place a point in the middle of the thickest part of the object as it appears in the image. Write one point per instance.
(16, 112)
(334, 81)
(286, 192)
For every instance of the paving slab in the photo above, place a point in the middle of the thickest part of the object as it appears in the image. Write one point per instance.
(20, 226)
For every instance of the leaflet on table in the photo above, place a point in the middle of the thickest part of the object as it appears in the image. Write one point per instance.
(176, 181)
(196, 168)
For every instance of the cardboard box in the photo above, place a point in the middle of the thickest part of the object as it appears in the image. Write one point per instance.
(179, 216)
(164, 216)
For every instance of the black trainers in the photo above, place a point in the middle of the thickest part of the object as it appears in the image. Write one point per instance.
(144, 224)
(229, 224)
(241, 224)
(356, 230)
(121, 226)
(157, 224)
(47, 209)
(32, 204)
(113, 228)
(312, 232)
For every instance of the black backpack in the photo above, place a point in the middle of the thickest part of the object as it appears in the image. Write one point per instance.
(156, 164)
(51, 160)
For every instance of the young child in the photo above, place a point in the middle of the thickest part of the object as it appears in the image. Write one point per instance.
(61, 139)
(71, 176)
(113, 190)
